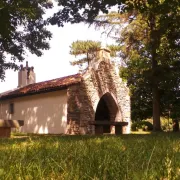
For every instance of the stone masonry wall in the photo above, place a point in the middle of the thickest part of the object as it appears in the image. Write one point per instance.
(83, 98)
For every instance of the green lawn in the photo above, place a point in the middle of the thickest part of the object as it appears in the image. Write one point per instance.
(151, 156)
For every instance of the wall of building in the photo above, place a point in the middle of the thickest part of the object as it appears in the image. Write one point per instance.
(42, 113)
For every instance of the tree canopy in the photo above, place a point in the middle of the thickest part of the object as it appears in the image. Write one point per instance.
(22, 28)
(150, 47)
(75, 11)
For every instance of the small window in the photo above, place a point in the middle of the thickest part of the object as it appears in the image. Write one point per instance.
(11, 108)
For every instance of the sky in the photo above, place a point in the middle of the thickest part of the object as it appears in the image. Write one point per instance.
(54, 63)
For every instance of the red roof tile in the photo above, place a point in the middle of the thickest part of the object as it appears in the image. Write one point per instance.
(42, 87)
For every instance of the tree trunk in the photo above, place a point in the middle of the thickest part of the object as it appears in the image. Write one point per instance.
(155, 95)
(155, 89)
(156, 108)
(88, 58)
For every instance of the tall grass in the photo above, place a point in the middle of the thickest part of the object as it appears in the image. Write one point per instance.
(132, 157)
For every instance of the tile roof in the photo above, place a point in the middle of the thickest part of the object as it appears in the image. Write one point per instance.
(42, 87)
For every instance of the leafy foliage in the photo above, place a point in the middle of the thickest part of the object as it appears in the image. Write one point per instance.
(75, 11)
(84, 47)
(140, 74)
(150, 47)
(144, 125)
(22, 28)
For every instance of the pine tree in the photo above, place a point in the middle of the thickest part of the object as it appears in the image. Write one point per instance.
(85, 51)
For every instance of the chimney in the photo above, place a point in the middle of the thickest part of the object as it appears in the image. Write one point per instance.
(31, 77)
(26, 75)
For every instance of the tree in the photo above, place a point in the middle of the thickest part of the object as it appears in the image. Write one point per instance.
(22, 28)
(75, 11)
(151, 50)
(138, 78)
(159, 48)
(85, 51)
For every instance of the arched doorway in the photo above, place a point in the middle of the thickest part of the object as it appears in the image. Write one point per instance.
(106, 110)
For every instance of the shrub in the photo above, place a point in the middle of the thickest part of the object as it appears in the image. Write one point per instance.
(134, 126)
(144, 125)
(166, 124)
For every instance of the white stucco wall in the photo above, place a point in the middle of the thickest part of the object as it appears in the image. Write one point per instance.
(42, 113)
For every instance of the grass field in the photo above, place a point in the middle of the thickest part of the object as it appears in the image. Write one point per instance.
(133, 157)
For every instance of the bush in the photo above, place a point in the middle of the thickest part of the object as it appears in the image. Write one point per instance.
(166, 124)
(144, 125)
(134, 126)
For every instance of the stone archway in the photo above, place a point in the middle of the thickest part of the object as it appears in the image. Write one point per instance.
(107, 110)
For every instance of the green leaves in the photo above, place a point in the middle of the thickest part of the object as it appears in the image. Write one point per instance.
(75, 11)
(85, 51)
(148, 35)
(84, 47)
(22, 29)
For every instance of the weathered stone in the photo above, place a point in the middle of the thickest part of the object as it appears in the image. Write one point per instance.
(83, 98)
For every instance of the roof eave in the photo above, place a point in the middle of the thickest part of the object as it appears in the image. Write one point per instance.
(13, 96)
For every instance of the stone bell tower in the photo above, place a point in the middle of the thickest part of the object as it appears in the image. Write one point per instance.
(26, 75)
